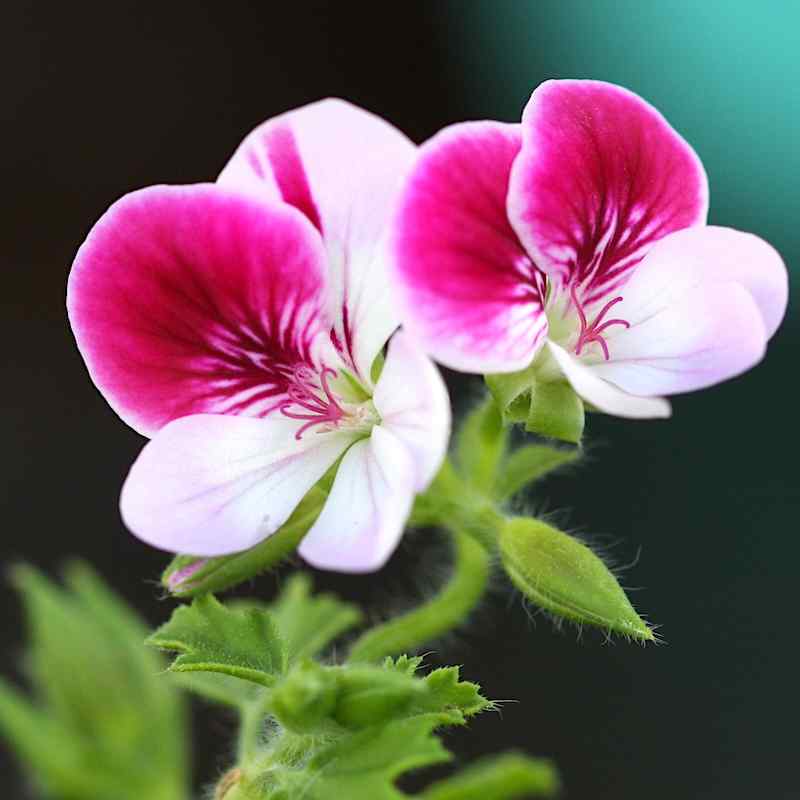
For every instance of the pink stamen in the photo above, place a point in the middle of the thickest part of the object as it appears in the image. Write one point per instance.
(593, 332)
(304, 391)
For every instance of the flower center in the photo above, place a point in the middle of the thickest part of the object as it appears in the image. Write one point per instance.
(593, 332)
(310, 398)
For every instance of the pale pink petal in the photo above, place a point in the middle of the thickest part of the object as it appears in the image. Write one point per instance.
(689, 259)
(191, 299)
(364, 516)
(468, 290)
(605, 396)
(600, 178)
(208, 485)
(412, 400)
(343, 168)
(705, 336)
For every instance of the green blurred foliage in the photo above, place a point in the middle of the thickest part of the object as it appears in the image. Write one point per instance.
(102, 723)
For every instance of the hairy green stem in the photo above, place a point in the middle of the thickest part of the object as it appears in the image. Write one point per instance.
(447, 609)
(250, 730)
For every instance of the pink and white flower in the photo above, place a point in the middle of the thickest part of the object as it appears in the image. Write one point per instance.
(241, 325)
(576, 242)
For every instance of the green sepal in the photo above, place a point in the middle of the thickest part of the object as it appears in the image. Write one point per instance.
(563, 576)
(191, 576)
(547, 407)
(102, 723)
(209, 637)
(555, 411)
(510, 776)
(511, 392)
(481, 443)
(528, 464)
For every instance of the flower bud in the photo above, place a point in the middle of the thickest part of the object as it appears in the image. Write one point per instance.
(305, 698)
(564, 577)
(370, 695)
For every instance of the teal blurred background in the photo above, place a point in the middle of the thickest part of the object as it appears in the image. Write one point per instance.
(711, 497)
(103, 98)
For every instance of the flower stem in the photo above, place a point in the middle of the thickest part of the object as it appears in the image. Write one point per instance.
(447, 609)
(251, 726)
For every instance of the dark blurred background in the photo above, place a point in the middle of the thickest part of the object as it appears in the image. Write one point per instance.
(100, 98)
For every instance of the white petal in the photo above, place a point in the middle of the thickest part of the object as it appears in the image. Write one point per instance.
(707, 335)
(688, 259)
(412, 399)
(364, 517)
(604, 395)
(343, 167)
(210, 485)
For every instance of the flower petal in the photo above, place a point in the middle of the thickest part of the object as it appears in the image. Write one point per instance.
(364, 516)
(209, 485)
(600, 178)
(342, 167)
(412, 399)
(603, 395)
(705, 336)
(469, 291)
(191, 299)
(686, 260)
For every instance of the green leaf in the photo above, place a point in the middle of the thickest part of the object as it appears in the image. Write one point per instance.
(211, 638)
(365, 765)
(102, 724)
(555, 411)
(528, 464)
(481, 443)
(309, 623)
(506, 777)
(564, 577)
(218, 688)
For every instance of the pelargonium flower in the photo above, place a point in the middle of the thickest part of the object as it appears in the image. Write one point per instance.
(575, 243)
(241, 325)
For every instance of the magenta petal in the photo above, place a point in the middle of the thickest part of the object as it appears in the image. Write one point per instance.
(469, 291)
(192, 299)
(343, 168)
(600, 178)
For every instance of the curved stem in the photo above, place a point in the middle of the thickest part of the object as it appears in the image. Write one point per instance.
(447, 609)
